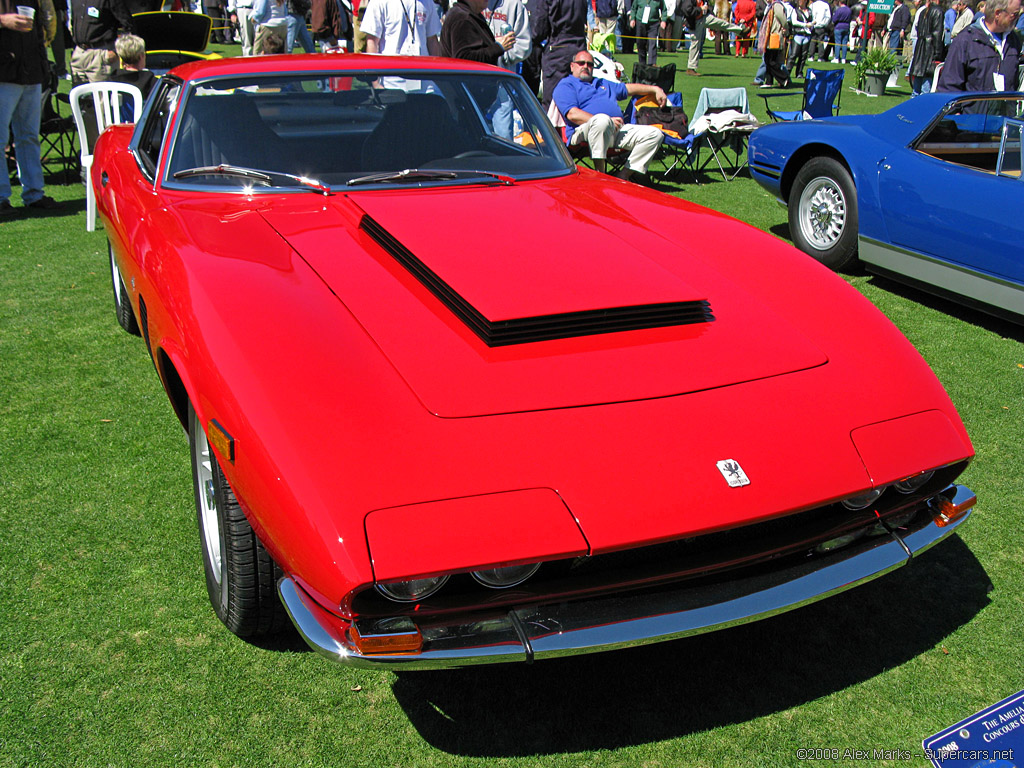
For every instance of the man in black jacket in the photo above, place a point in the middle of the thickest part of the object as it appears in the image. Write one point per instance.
(23, 70)
(563, 23)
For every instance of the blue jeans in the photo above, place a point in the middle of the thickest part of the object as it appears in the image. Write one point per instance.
(20, 106)
(842, 38)
(297, 29)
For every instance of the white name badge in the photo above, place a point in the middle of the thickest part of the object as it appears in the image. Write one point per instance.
(997, 81)
(647, 15)
(94, 12)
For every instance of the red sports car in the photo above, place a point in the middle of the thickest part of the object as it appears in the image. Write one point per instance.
(452, 400)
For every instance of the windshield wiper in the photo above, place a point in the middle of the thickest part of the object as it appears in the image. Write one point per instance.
(264, 177)
(426, 174)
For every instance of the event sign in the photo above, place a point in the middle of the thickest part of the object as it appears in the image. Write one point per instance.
(993, 737)
(880, 6)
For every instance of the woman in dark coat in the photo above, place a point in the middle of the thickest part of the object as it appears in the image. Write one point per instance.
(928, 46)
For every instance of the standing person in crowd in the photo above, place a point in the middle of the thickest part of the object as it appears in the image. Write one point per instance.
(646, 19)
(695, 12)
(23, 69)
(504, 16)
(948, 20)
(722, 10)
(605, 14)
(242, 16)
(801, 24)
(270, 19)
(95, 26)
(745, 16)
(465, 34)
(219, 31)
(563, 24)
(772, 42)
(898, 23)
(131, 49)
(986, 56)
(841, 18)
(402, 28)
(60, 56)
(821, 16)
(331, 23)
(297, 29)
(964, 16)
(928, 48)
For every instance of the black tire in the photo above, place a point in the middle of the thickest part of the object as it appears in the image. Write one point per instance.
(241, 576)
(823, 213)
(122, 300)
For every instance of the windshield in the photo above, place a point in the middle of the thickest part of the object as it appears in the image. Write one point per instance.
(367, 129)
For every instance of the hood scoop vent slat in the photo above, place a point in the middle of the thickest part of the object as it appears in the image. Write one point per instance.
(543, 327)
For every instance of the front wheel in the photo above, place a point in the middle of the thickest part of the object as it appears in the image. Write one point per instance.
(823, 213)
(241, 576)
(122, 300)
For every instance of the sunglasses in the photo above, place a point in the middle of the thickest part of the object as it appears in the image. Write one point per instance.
(583, 63)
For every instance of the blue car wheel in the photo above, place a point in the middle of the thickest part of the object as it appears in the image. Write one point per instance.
(823, 213)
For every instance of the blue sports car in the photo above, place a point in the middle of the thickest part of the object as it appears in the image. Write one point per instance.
(928, 193)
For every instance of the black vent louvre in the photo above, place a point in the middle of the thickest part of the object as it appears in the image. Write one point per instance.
(542, 327)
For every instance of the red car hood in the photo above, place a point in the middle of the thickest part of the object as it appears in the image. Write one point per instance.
(400, 261)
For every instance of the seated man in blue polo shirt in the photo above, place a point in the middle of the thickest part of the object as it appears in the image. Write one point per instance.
(592, 114)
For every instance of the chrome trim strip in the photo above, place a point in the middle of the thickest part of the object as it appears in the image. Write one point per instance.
(621, 621)
(955, 278)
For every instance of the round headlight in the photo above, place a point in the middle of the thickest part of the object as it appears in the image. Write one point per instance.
(412, 590)
(913, 483)
(502, 578)
(862, 500)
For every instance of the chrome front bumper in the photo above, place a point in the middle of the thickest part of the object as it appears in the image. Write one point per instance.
(620, 621)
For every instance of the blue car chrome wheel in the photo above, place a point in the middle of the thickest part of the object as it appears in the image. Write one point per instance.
(823, 213)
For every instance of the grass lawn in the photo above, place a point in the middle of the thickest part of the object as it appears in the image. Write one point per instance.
(112, 656)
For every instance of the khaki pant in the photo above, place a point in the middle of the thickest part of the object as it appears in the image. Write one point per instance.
(92, 65)
(641, 141)
(358, 38)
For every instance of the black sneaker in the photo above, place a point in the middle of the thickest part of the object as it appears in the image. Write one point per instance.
(44, 203)
(6, 209)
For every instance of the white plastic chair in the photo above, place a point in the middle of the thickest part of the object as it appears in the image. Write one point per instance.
(106, 99)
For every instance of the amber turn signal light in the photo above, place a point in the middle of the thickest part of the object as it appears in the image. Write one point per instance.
(945, 512)
(221, 440)
(388, 636)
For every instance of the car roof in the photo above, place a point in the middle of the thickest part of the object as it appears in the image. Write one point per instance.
(319, 62)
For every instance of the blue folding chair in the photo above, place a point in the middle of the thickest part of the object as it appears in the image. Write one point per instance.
(823, 90)
(673, 151)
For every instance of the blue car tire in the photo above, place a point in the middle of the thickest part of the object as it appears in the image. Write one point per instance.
(823, 213)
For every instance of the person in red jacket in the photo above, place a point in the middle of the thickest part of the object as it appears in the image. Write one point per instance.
(746, 16)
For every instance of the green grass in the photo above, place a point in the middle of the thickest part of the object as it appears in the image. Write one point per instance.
(112, 656)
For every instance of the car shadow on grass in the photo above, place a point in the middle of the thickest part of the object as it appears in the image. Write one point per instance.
(952, 307)
(668, 690)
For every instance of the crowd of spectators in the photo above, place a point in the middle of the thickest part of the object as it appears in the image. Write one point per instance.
(973, 47)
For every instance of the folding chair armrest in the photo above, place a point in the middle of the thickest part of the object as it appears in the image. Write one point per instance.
(767, 96)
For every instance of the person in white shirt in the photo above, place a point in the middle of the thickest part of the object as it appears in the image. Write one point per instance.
(402, 28)
(821, 15)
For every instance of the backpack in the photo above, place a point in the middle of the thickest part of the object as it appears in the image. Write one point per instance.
(648, 74)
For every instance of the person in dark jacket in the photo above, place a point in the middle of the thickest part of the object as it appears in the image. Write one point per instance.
(898, 23)
(331, 23)
(928, 47)
(23, 70)
(563, 24)
(95, 25)
(465, 34)
(985, 57)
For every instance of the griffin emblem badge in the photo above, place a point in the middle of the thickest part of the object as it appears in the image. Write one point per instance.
(733, 473)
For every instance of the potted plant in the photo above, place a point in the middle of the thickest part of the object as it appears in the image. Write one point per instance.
(873, 70)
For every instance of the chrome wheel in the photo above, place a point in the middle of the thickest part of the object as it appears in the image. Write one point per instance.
(206, 500)
(822, 213)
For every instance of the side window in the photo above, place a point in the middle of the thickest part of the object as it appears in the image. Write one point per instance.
(979, 134)
(152, 132)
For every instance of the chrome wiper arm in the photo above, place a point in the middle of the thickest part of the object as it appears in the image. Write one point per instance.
(266, 177)
(410, 174)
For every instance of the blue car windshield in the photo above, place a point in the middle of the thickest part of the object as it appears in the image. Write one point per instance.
(361, 128)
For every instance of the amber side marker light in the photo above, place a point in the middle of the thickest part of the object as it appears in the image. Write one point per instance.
(945, 512)
(223, 442)
(388, 636)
